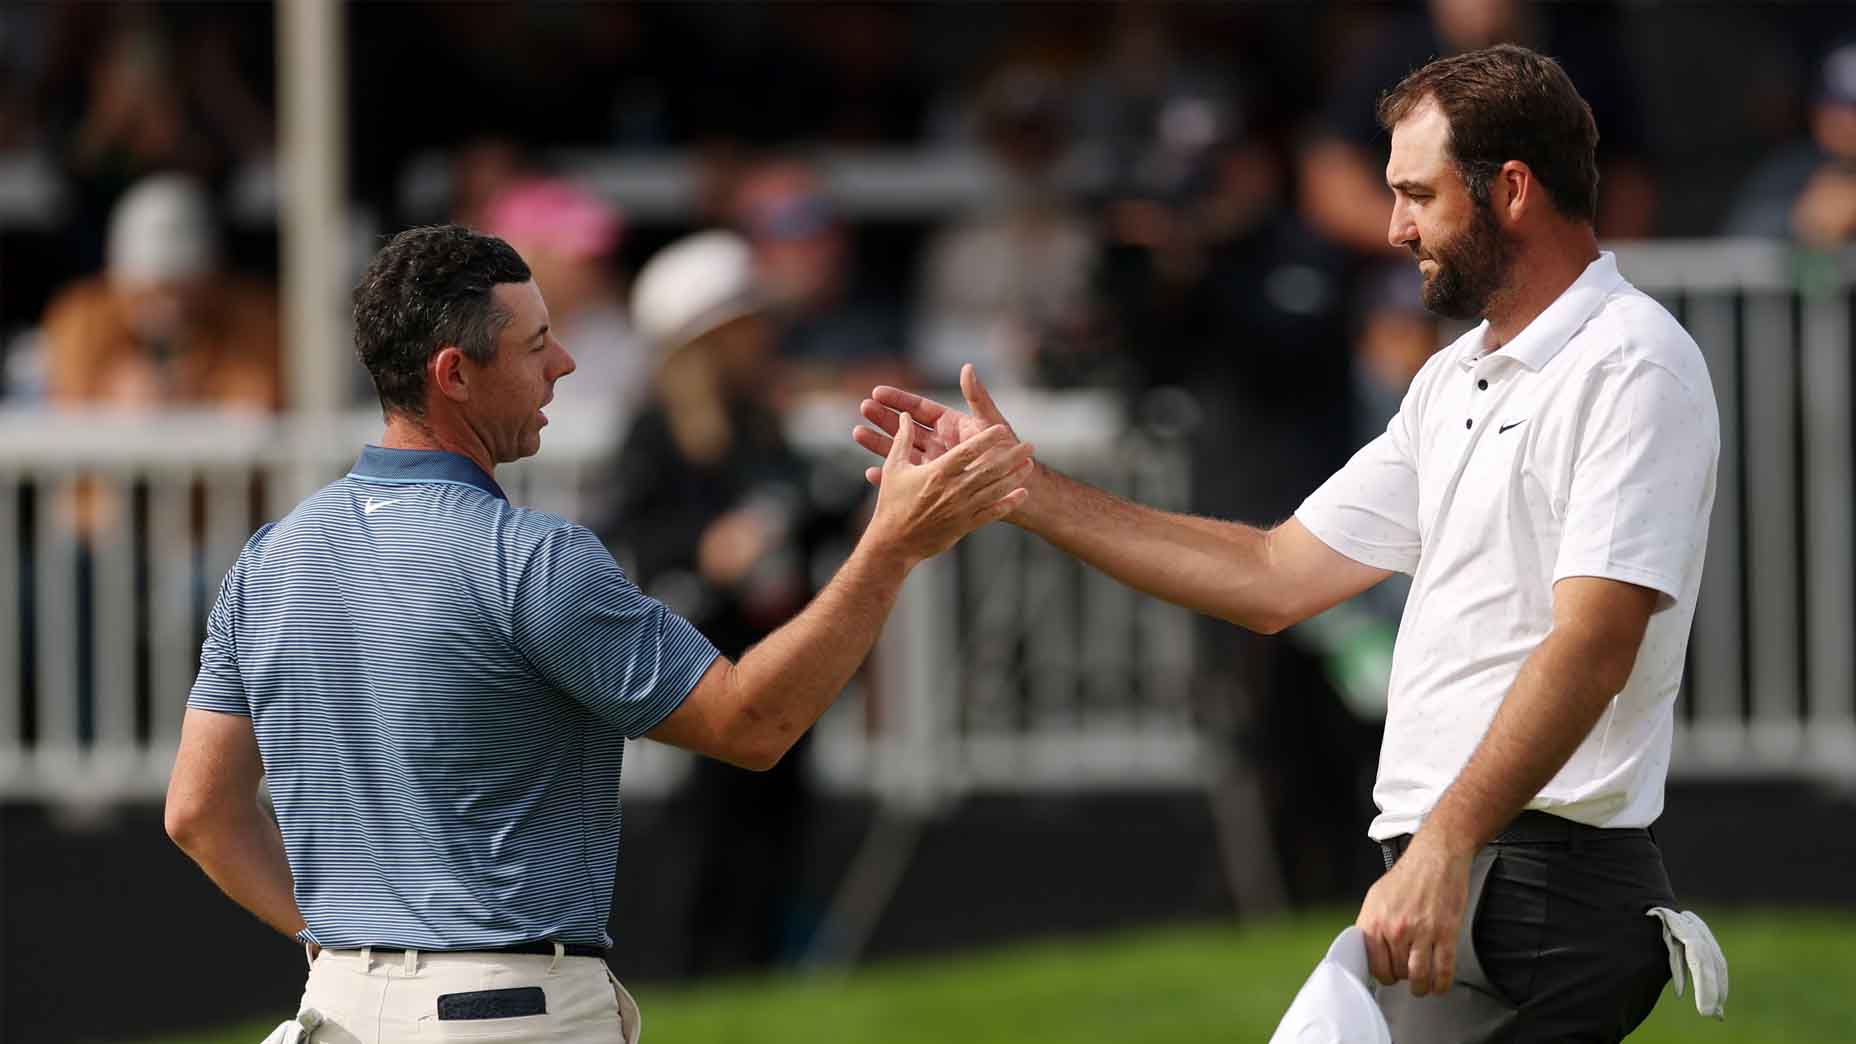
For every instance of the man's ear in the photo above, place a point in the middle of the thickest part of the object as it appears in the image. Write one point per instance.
(448, 372)
(1514, 191)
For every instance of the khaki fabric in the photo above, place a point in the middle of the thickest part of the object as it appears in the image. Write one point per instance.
(389, 998)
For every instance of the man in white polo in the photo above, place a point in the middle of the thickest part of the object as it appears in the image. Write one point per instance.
(1547, 483)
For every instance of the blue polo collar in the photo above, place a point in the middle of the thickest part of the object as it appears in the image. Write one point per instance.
(379, 464)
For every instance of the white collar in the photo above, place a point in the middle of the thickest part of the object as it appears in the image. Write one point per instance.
(1541, 340)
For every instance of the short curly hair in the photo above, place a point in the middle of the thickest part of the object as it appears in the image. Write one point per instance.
(426, 289)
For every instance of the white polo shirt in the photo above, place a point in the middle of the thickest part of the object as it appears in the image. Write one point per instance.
(1584, 447)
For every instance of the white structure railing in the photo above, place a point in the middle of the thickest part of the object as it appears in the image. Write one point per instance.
(1771, 684)
(115, 530)
(1006, 665)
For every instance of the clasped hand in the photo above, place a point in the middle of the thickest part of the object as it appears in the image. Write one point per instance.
(944, 481)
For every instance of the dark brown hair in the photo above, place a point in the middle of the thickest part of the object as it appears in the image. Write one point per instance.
(1509, 103)
(428, 288)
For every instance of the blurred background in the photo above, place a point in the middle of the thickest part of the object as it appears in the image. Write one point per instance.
(1158, 230)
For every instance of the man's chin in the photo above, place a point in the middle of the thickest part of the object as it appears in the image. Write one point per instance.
(1447, 305)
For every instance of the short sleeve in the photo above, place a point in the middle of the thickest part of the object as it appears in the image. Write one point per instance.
(218, 686)
(593, 635)
(1368, 510)
(1642, 482)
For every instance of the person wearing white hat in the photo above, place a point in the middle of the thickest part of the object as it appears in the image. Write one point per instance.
(163, 325)
(721, 518)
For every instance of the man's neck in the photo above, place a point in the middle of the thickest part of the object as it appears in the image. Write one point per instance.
(1541, 273)
(418, 433)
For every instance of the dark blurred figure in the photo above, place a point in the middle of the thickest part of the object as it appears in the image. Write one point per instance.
(482, 169)
(1232, 314)
(1396, 337)
(164, 325)
(718, 514)
(1807, 191)
(1393, 339)
(832, 332)
(570, 239)
(137, 89)
(1343, 192)
(1003, 287)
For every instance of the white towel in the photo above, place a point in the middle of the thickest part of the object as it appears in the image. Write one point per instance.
(1335, 1005)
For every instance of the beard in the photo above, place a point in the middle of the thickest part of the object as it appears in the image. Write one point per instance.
(1471, 268)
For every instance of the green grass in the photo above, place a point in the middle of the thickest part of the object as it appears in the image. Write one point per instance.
(1791, 984)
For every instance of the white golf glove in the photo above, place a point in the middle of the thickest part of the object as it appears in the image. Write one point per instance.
(297, 1030)
(1691, 944)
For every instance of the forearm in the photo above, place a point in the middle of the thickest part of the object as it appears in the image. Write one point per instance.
(785, 683)
(242, 852)
(1221, 569)
(1562, 689)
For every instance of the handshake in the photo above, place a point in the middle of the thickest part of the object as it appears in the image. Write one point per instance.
(944, 473)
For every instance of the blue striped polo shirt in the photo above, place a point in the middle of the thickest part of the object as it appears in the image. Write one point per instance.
(441, 685)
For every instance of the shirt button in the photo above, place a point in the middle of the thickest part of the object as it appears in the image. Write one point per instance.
(1484, 385)
(1466, 422)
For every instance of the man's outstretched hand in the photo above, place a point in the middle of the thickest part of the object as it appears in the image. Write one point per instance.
(933, 428)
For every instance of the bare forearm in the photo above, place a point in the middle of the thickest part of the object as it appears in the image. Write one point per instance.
(1222, 569)
(1558, 696)
(785, 683)
(243, 853)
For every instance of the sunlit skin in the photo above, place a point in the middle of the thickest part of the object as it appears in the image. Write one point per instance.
(490, 412)
(1435, 219)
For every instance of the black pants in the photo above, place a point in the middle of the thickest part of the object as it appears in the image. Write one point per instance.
(1555, 944)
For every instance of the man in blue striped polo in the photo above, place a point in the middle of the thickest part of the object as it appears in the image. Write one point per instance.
(438, 685)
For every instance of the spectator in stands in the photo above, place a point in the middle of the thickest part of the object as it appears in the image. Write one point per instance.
(1343, 191)
(134, 90)
(1217, 289)
(481, 170)
(569, 237)
(1807, 191)
(163, 326)
(1396, 337)
(1003, 286)
(832, 333)
(720, 519)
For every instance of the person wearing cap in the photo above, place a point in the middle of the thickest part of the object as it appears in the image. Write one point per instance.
(437, 686)
(1807, 191)
(163, 326)
(1547, 483)
(721, 519)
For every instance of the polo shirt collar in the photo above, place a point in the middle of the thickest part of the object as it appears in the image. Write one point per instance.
(408, 465)
(1543, 338)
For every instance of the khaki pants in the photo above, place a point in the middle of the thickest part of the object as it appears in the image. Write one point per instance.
(387, 998)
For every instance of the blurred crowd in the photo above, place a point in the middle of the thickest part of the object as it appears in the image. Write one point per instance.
(1190, 214)
(1188, 195)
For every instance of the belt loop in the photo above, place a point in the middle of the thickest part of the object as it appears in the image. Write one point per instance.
(559, 952)
(309, 956)
(411, 963)
(367, 960)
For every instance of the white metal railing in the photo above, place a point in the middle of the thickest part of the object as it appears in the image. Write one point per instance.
(1006, 665)
(1771, 685)
(115, 529)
